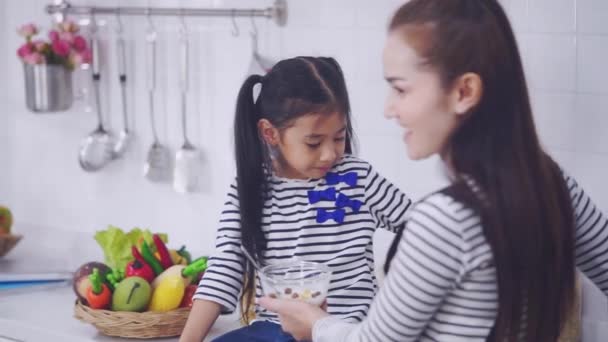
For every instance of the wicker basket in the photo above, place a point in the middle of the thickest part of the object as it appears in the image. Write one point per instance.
(140, 325)
(8, 242)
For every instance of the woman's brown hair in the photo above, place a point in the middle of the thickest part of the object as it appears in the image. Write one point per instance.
(525, 206)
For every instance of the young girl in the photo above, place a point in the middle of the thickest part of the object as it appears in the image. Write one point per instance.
(492, 257)
(299, 193)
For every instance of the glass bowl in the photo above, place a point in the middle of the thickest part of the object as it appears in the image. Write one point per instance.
(297, 280)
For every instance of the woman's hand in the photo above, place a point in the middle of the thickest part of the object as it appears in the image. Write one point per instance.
(297, 318)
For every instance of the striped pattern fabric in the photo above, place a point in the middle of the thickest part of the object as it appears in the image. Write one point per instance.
(290, 225)
(442, 283)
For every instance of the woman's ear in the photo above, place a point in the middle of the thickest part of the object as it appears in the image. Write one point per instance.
(466, 93)
(268, 132)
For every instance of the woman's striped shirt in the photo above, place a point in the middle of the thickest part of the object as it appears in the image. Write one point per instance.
(442, 284)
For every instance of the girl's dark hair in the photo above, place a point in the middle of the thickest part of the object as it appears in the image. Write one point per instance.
(525, 207)
(293, 88)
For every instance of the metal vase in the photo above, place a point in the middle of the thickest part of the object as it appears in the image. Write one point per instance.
(48, 88)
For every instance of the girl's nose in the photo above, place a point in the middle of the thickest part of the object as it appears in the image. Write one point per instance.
(328, 154)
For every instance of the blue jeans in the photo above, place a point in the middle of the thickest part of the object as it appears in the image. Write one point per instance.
(260, 331)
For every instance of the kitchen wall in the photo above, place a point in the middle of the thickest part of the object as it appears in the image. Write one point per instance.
(563, 49)
(4, 129)
(564, 44)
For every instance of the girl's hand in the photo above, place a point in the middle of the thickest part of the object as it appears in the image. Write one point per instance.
(297, 318)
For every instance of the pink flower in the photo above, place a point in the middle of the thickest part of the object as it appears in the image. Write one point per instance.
(67, 36)
(25, 50)
(53, 35)
(79, 43)
(28, 30)
(77, 58)
(34, 58)
(68, 26)
(40, 45)
(87, 56)
(61, 48)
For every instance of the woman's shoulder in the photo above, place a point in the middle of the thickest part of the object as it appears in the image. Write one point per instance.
(445, 202)
(443, 212)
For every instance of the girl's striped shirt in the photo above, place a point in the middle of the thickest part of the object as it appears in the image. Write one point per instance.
(291, 228)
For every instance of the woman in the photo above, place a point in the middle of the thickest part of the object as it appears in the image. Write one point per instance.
(492, 256)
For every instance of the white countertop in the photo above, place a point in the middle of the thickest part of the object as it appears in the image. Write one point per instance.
(46, 314)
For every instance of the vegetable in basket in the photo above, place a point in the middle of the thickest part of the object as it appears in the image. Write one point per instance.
(116, 244)
(148, 256)
(98, 295)
(138, 269)
(163, 252)
(185, 254)
(131, 294)
(186, 273)
(168, 294)
(114, 277)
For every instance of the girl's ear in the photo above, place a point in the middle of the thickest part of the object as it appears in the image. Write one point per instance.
(268, 132)
(466, 93)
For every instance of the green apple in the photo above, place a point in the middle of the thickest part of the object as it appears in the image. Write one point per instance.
(131, 294)
(6, 221)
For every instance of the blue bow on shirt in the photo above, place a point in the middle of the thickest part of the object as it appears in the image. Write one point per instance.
(324, 215)
(349, 178)
(321, 195)
(343, 201)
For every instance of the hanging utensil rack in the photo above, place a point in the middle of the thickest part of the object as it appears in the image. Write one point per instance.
(277, 12)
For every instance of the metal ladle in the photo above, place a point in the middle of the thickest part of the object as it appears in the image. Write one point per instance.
(97, 148)
(126, 136)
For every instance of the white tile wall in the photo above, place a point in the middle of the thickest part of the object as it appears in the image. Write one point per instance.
(591, 113)
(591, 172)
(565, 48)
(557, 16)
(550, 60)
(5, 192)
(50, 189)
(555, 119)
(591, 16)
(517, 10)
(564, 52)
(592, 71)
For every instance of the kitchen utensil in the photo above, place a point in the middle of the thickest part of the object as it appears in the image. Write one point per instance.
(258, 65)
(126, 136)
(97, 148)
(158, 166)
(187, 175)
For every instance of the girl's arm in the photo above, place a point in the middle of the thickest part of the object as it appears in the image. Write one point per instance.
(218, 290)
(201, 318)
(387, 204)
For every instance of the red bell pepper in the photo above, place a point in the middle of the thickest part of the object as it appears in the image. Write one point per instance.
(98, 294)
(163, 252)
(187, 299)
(138, 269)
